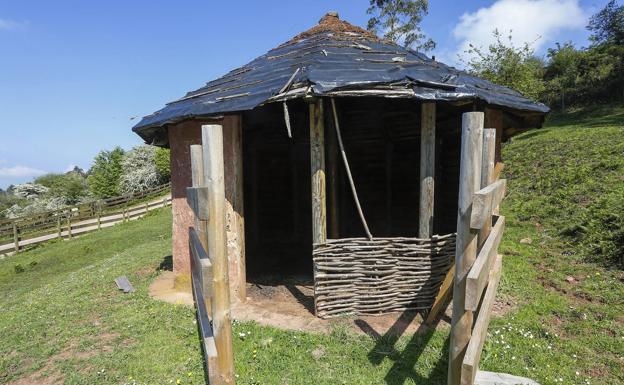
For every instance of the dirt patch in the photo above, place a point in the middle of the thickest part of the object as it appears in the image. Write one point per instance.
(501, 307)
(289, 304)
(164, 288)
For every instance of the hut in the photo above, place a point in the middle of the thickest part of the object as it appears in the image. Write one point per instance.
(341, 159)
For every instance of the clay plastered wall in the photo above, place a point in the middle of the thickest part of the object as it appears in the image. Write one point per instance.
(181, 137)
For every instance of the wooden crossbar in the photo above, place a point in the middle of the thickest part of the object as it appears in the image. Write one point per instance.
(470, 364)
(202, 261)
(478, 275)
(485, 201)
(207, 334)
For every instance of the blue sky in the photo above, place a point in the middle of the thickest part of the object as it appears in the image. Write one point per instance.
(74, 74)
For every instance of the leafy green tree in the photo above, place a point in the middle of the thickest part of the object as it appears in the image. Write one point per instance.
(105, 173)
(71, 187)
(399, 22)
(507, 65)
(607, 26)
(163, 163)
(562, 72)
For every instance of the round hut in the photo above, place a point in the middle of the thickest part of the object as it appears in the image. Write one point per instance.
(341, 159)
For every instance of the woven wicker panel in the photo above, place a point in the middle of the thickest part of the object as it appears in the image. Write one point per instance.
(360, 276)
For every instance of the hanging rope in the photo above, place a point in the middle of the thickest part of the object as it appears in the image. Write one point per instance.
(348, 170)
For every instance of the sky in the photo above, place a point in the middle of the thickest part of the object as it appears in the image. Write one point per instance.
(76, 75)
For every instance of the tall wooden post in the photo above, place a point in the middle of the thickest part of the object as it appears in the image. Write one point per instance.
(69, 214)
(332, 184)
(487, 171)
(212, 139)
(427, 169)
(317, 168)
(466, 243)
(494, 119)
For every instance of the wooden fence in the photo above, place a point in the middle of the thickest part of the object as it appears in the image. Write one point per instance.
(209, 265)
(477, 262)
(69, 221)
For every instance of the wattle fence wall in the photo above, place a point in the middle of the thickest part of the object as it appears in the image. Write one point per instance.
(362, 276)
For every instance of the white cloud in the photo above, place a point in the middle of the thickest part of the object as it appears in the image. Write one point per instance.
(19, 171)
(6, 24)
(535, 21)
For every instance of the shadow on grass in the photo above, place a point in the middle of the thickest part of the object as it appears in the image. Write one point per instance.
(405, 361)
(166, 264)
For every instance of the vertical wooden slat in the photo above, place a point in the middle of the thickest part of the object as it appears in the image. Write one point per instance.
(15, 236)
(466, 242)
(427, 169)
(212, 139)
(487, 170)
(332, 184)
(69, 233)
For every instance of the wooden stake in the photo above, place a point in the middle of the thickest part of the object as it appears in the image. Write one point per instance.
(212, 139)
(427, 169)
(69, 233)
(466, 242)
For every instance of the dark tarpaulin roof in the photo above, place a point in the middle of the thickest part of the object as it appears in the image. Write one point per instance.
(333, 58)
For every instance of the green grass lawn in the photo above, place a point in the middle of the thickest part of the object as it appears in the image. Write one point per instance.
(561, 309)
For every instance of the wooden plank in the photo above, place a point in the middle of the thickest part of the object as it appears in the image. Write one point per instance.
(427, 169)
(197, 199)
(332, 183)
(202, 262)
(208, 341)
(485, 201)
(478, 276)
(443, 298)
(466, 241)
(212, 139)
(492, 378)
(123, 284)
(470, 364)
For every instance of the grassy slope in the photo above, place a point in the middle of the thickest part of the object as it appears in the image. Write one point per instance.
(64, 318)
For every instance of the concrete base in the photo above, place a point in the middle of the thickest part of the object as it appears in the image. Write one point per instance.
(491, 378)
(169, 288)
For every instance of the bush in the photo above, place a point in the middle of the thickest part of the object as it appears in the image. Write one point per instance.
(162, 158)
(139, 171)
(71, 187)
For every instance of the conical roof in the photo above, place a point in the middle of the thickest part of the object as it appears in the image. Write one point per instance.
(334, 58)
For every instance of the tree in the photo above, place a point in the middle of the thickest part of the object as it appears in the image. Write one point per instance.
(399, 22)
(508, 65)
(105, 173)
(163, 163)
(139, 170)
(70, 187)
(607, 26)
(562, 71)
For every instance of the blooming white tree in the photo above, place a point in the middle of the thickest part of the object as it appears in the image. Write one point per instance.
(29, 190)
(139, 170)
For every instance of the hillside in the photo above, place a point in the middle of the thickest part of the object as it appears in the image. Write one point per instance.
(558, 319)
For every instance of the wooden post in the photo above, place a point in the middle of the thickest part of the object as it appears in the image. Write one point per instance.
(317, 168)
(487, 171)
(16, 236)
(58, 224)
(494, 119)
(332, 184)
(69, 233)
(466, 243)
(212, 139)
(99, 216)
(427, 169)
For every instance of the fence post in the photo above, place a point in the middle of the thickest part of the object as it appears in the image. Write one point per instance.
(213, 164)
(16, 236)
(466, 243)
(99, 215)
(69, 233)
(58, 225)
(487, 170)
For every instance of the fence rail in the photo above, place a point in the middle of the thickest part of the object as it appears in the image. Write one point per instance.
(66, 222)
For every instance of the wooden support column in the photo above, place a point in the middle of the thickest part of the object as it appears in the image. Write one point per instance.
(212, 139)
(317, 168)
(427, 169)
(234, 214)
(494, 119)
(466, 243)
(332, 183)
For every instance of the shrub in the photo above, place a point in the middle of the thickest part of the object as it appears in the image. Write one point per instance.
(139, 171)
(105, 173)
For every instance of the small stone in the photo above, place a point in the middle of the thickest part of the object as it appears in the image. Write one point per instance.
(318, 353)
(526, 241)
(570, 279)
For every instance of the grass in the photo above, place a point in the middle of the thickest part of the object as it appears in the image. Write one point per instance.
(560, 310)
